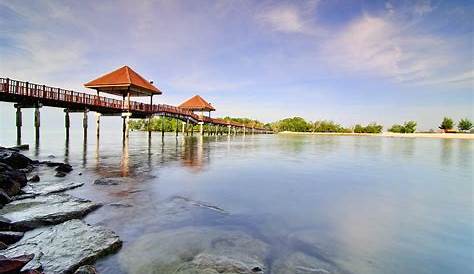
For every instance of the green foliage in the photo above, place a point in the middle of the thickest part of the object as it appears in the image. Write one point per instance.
(465, 124)
(246, 121)
(156, 124)
(295, 124)
(447, 124)
(370, 128)
(328, 126)
(408, 127)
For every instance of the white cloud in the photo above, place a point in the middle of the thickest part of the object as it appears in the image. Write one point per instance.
(381, 46)
(422, 7)
(288, 18)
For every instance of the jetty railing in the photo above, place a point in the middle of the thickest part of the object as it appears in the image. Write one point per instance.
(59, 95)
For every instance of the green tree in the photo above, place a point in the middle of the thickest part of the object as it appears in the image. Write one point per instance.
(370, 128)
(295, 124)
(397, 129)
(465, 124)
(447, 124)
(409, 127)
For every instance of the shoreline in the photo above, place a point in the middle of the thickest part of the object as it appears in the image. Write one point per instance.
(464, 136)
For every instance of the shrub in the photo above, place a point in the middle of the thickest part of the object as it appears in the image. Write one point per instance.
(446, 124)
(465, 125)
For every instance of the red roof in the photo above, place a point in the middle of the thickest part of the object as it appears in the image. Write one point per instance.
(121, 81)
(197, 103)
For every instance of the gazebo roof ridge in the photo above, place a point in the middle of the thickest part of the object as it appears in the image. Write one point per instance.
(196, 103)
(122, 81)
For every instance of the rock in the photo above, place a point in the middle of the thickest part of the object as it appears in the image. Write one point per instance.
(10, 237)
(44, 188)
(31, 271)
(34, 179)
(5, 224)
(4, 198)
(14, 264)
(300, 263)
(64, 168)
(51, 164)
(120, 205)
(11, 180)
(45, 210)
(14, 159)
(86, 269)
(20, 147)
(60, 174)
(195, 250)
(110, 181)
(51, 156)
(3, 245)
(64, 247)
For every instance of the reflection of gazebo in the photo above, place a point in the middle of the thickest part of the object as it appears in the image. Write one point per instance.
(197, 104)
(124, 82)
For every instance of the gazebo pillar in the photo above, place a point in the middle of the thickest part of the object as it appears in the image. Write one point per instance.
(201, 128)
(150, 116)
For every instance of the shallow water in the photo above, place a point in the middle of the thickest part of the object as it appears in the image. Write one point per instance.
(361, 204)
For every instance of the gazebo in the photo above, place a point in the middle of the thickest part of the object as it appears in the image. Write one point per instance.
(198, 104)
(127, 83)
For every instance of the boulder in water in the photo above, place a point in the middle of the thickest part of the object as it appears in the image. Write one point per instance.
(50, 209)
(195, 250)
(86, 269)
(111, 181)
(44, 188)
(34, 179)
(14, 159)
(63, 248)
(62, 167)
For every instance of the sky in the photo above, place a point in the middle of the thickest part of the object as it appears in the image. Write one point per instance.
(347, 61)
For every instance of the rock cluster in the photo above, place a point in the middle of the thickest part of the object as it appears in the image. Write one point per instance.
(39, 227)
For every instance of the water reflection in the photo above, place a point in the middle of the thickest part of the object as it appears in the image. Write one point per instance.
(369, 205)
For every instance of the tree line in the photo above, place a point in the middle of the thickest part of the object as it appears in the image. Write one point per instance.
(298, 124)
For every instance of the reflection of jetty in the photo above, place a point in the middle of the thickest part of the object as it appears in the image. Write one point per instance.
(123, 82)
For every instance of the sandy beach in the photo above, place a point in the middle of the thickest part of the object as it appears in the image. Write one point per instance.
(389, 134)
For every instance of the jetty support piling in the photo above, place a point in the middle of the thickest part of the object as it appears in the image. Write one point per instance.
(177, 127)
(67, 123)
(84, 124)
(97, 124)
(37, 123)
(162, 127)
(19, 123)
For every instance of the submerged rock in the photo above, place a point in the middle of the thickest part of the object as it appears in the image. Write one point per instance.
(44, 188)
(65, 247)
(300, 263)
(30, 213)
(86, 269)
(195, 250)
(35, 178)
(62, 167)
(110, 181)
(60, 174)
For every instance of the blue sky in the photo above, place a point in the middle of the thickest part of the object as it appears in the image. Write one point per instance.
(348, 61)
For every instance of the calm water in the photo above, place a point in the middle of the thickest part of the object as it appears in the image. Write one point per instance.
(364, 204)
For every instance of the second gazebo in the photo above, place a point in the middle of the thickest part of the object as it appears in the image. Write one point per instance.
(198, 105)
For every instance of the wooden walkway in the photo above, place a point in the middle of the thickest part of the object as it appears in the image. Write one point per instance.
(29, 94)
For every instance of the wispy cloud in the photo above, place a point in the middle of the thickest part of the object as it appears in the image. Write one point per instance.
(289, 18)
